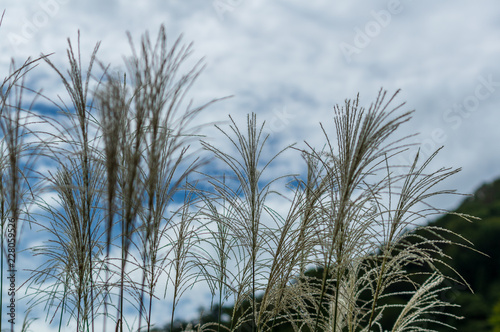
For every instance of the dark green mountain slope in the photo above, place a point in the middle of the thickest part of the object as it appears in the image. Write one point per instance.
(480, 271)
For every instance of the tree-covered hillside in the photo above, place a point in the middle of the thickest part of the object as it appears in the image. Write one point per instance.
(480, 271)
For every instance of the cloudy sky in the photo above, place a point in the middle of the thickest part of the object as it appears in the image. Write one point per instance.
(292, 61)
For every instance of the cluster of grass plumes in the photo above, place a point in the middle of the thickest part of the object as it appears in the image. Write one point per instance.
(135, 217)
(349, 218)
